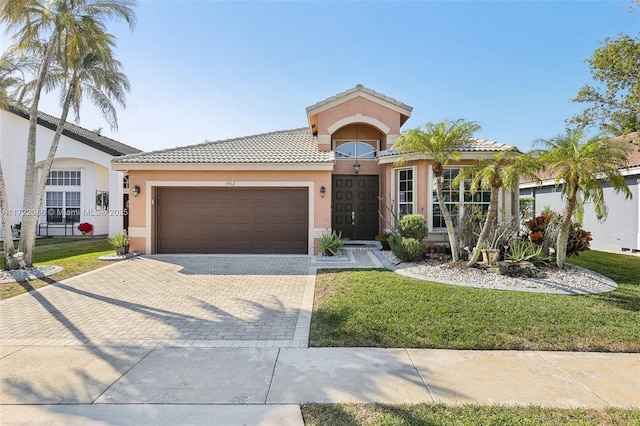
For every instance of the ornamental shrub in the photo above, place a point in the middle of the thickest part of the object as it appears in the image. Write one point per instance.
(413, 226)
(85, 227)
(537, 226)
(406, 249)
(331, 243)
(578, 241)
(544, 231)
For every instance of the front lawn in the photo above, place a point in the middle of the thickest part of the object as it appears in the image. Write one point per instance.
(383, 309)
(75, 255)
(439, 414)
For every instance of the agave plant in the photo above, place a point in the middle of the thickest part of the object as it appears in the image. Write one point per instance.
(331, 243)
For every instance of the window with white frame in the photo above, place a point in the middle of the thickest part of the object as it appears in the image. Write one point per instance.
(348, 149)
(405, 194)
(62, 206)
(62, 197)
(457, 198)
(64, 178)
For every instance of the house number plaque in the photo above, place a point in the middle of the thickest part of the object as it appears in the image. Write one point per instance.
(231, 183)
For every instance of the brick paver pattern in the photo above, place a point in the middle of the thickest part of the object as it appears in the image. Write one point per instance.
(158, 299)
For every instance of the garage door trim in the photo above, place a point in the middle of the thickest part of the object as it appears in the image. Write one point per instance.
(150, 210)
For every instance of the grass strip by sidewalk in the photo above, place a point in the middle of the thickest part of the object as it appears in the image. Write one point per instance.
(383, 309)
(75, 255)
(440, 414)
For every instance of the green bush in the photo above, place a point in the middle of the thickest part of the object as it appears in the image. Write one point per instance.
(413, 226)
(406, 249)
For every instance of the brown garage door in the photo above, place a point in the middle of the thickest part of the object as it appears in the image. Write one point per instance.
(232, 220)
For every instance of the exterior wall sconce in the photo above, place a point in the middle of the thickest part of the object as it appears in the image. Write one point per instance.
(356, 167)
(136, 190)
(323, 190)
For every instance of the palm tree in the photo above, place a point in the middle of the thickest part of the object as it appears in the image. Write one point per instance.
(441, 143)
(500, 171)
(579, 168)
(102, 85)
(71, 30)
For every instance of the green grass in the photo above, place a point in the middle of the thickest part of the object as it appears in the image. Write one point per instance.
(439, 414)
(618, 267)
(383, 309)
(53, 249)
(75, 255)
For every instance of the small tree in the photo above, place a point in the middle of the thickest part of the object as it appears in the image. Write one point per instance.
(441, 143)
(500, 171)
(579, 169)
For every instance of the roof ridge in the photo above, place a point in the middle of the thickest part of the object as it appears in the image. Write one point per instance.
(259, 134)
(257, 143)
(208, 142)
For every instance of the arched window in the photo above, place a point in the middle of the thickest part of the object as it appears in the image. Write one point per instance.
(355, 149)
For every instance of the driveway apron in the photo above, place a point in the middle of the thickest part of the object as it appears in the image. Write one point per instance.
(170, 300)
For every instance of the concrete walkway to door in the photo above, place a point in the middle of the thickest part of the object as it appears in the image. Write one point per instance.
(171, 300)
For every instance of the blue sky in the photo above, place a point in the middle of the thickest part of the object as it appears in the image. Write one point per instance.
(205, 70)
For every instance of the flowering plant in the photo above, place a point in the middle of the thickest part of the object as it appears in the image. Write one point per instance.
(85, 227)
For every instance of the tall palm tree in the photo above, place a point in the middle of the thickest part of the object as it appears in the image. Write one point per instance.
(59, 33)
(103, 84)
(500, 171)
(441, 143)
(579, 168)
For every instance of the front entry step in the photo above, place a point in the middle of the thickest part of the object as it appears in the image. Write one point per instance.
(362, 245)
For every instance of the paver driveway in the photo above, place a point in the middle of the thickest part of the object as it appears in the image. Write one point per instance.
(202, 300)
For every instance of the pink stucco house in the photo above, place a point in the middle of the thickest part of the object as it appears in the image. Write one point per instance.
(278, 192)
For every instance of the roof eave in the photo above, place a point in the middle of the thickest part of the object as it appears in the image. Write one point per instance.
(72, 135)
(301, 166)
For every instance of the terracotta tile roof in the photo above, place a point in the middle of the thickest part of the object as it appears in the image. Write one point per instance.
(478, 145)
(633, 159)
(80, 134)
(286, 146)
(357, 88)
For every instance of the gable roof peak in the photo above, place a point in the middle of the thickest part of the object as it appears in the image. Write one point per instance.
(359, 88)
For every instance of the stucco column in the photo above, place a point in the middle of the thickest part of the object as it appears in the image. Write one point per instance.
(115, 202)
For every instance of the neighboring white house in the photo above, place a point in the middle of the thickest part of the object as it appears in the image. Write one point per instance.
(81, 187)
(620, 233)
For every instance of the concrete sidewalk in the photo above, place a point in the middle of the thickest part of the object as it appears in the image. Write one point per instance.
(165, 385)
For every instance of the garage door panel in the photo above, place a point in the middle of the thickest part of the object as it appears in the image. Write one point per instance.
(238, 220)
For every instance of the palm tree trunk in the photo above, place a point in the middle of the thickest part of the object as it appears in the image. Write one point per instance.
(490, 220)
(9, 249)
(448, 220)
(565, 227)
(28, 255)
(30, 216)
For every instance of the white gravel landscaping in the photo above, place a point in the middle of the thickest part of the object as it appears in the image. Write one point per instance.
(572, 280)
